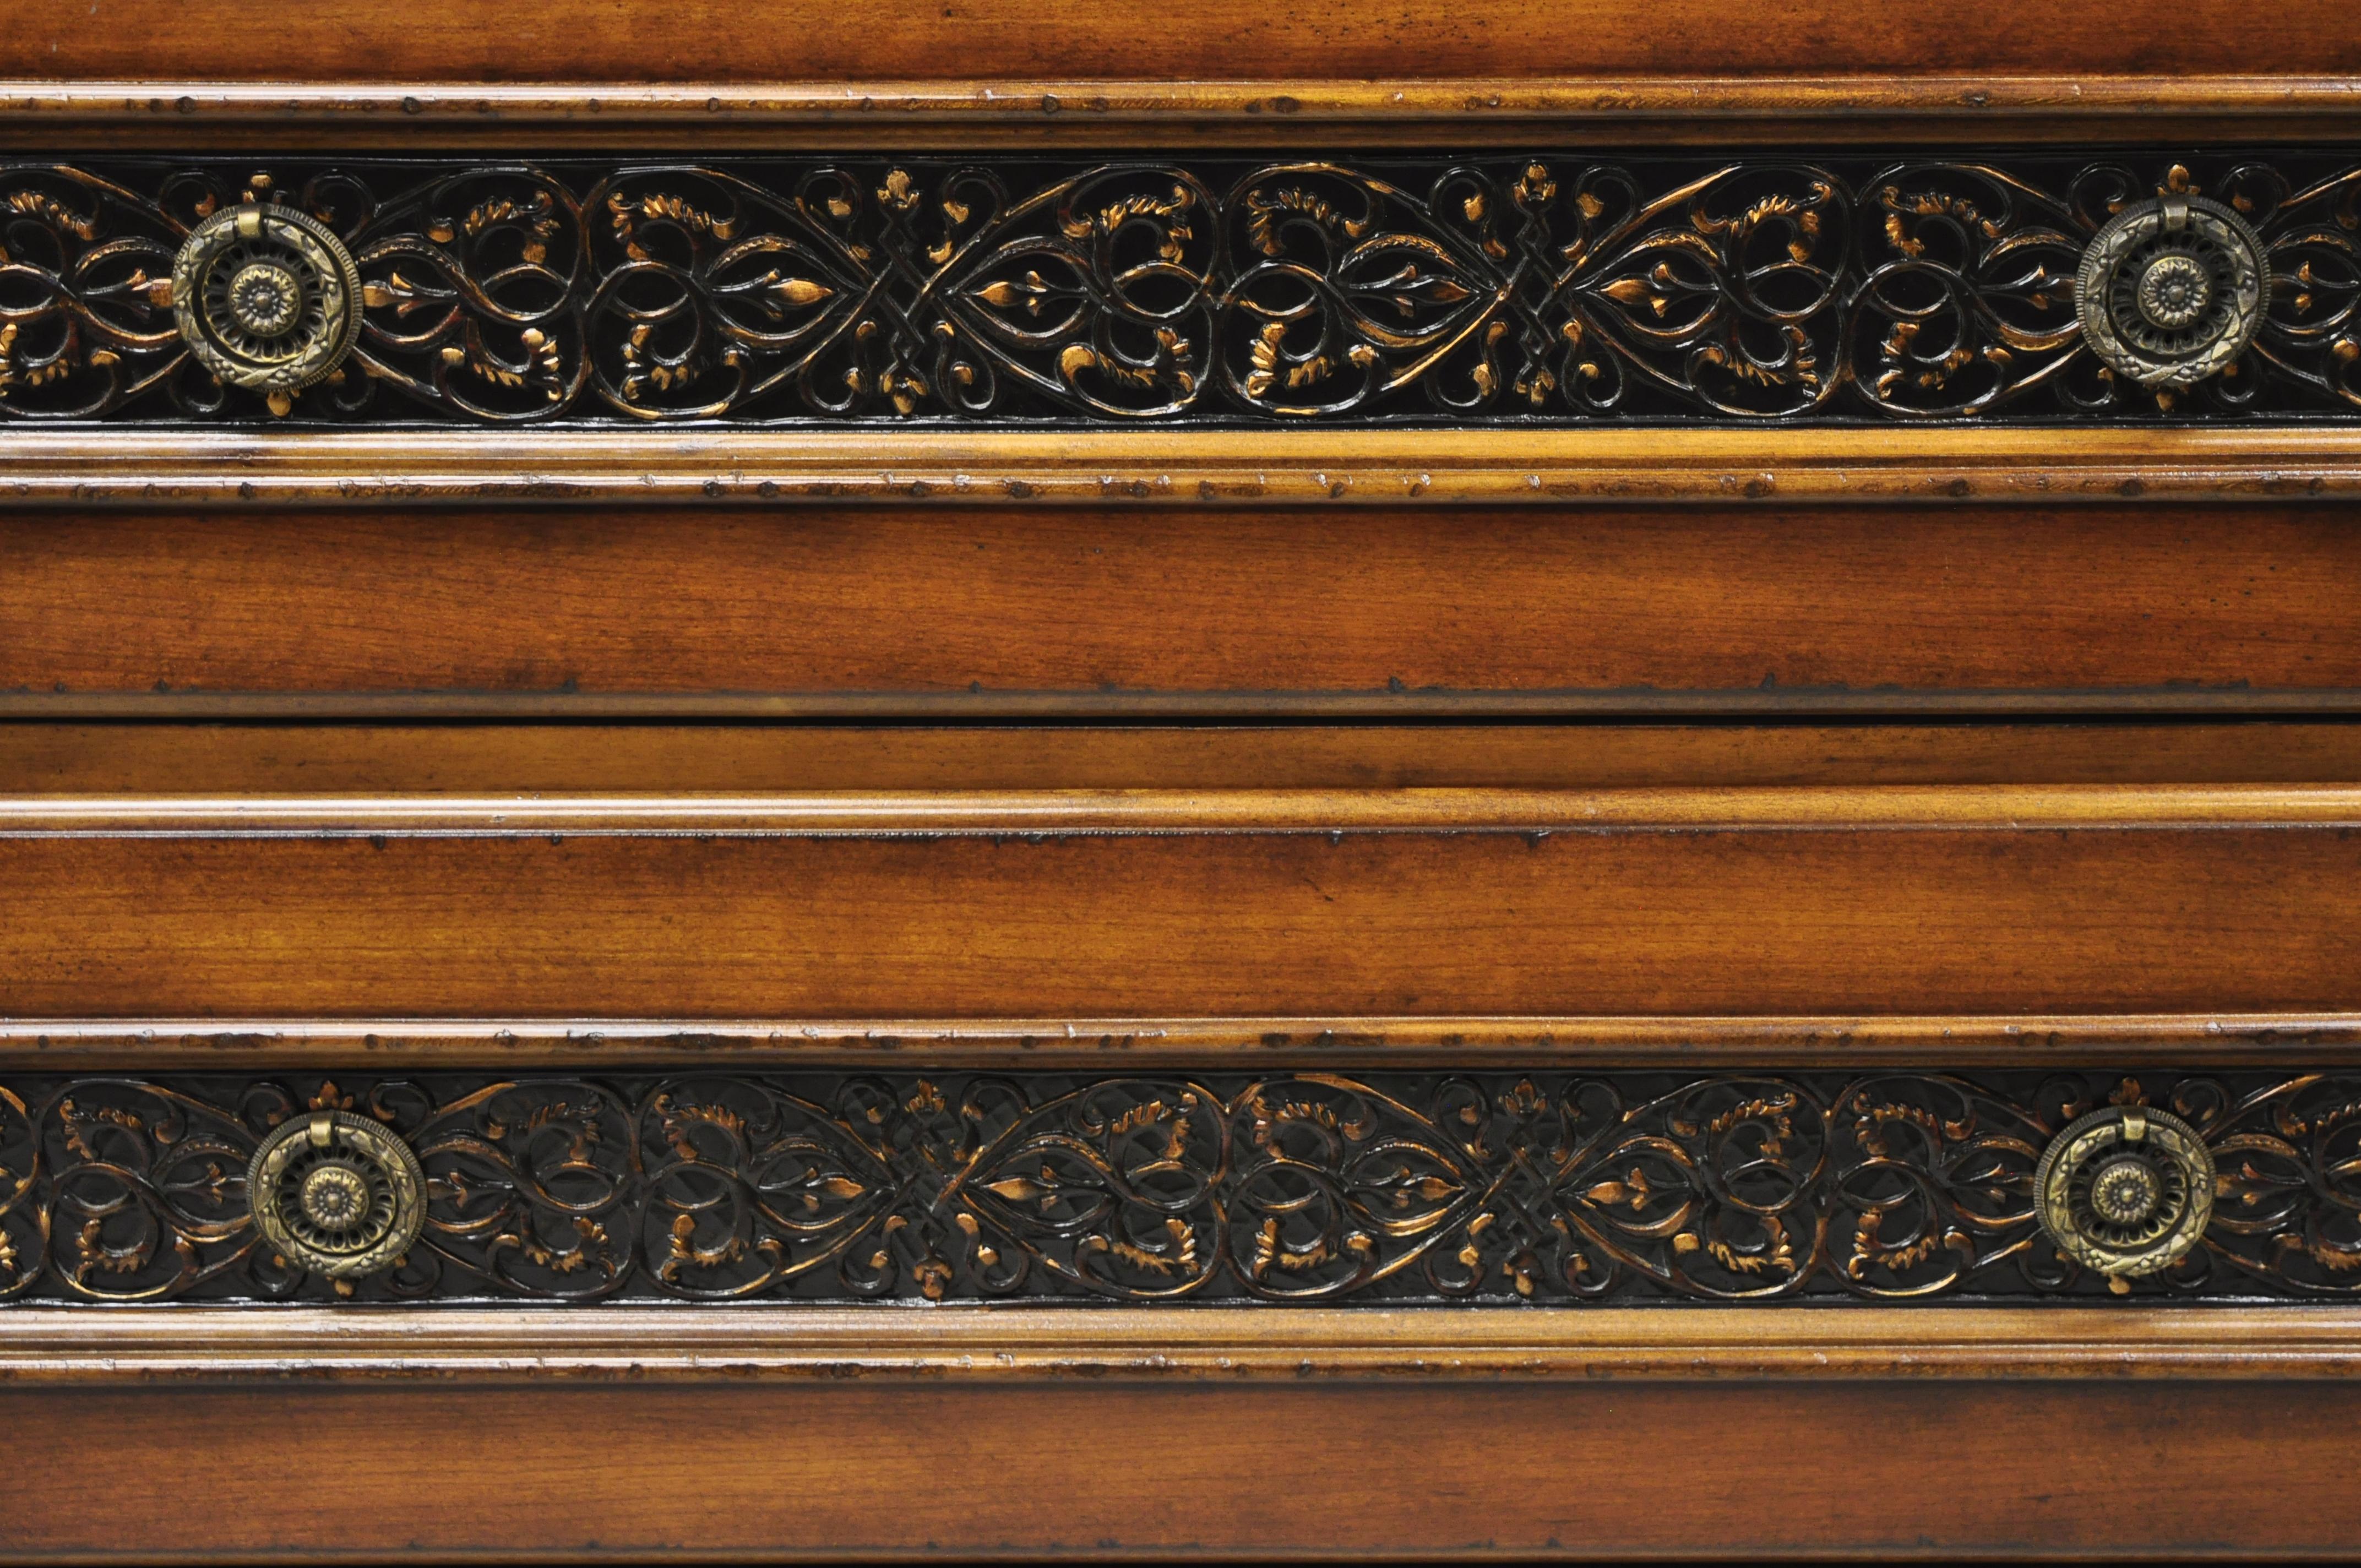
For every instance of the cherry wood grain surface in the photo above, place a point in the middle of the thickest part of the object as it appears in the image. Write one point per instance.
(608, 40)
(1509, 1469)
(228, 758)
(1931, 904)
(875, 611)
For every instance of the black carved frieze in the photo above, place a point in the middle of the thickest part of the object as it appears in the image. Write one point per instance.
(1383, 1187)
(1557, 289)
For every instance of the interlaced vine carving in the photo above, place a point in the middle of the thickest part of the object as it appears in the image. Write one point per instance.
(1310, 1186)
(1546, 289)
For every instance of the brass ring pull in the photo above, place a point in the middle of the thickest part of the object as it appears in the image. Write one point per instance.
(2125, 1192)
(337, 1194)
(2173, 289)
(266, 298)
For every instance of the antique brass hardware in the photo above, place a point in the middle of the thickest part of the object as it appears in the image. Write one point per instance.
(2125, 1192)
(267, 298)
(2173, 289)
(337, 1194)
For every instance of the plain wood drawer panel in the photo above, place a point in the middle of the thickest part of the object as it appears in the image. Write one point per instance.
(947, 916)
(874, 613)
(830, 1465)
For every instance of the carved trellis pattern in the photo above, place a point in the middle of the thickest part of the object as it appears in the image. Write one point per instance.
(1556, 289)
(1313, 1187)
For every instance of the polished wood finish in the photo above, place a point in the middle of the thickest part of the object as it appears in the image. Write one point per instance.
(1515, 1469)
(913, 610)
(288, 897)
(2064, 900)
(314, 759)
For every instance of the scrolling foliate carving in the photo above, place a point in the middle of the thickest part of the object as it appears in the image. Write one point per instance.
(1311, 1187)
(1555, 288)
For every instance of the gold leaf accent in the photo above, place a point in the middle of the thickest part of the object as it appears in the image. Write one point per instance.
(1262, 359)
(1180, 1260)
(1269, 211)
(52, 212)
(1633, 1190)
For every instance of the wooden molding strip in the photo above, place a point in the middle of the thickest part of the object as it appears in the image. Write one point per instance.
(865, 115)
(1213, 1344)
(1202, 708)
(1754, 808)
(506, 761)
(2215, 1041)
(1279, 465)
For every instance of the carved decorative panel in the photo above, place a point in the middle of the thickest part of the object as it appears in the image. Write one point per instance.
(1556, 288)
(1313, 1187)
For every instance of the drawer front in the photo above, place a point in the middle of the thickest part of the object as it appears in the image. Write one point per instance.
(1166, 612)
(1542, 290)
(1989, 900)
(1515, 1191)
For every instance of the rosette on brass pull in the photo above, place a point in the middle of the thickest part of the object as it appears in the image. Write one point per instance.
(266, 298)
(2125, 1192)
(2173, 289)
(337, 1194)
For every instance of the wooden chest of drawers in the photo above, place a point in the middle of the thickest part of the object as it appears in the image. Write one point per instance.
(1285, 781)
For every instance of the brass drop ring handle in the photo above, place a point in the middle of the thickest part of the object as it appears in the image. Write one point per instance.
(2125, 1192)
(2173, 289)
(267, 297)
(337, 1194)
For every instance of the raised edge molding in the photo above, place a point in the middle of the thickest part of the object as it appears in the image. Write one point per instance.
(1774, 807)
(1176, 1344)
(2137, 1040)
(1062, 112)
(1216, 467)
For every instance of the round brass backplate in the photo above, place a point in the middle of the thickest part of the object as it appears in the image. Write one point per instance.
(267, 297)
(2125, 1192)
(2173, 289)
(337, 1194)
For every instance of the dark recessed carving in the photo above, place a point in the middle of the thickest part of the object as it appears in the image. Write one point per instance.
(1558, 289)
(1294, 1187)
